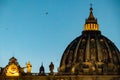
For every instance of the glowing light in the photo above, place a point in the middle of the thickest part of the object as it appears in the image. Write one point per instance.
(91, 26)
(12, 70)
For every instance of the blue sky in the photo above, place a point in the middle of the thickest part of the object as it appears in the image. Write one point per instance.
(29, 34)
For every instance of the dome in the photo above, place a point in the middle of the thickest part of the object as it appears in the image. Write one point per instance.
(91, 52)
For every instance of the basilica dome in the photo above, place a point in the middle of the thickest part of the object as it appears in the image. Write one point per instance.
(91, 52)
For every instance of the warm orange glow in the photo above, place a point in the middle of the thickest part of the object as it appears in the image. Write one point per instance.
(91, 27)
(29, 67)
(12, 70)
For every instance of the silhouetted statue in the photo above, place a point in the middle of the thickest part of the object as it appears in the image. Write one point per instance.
(51, 68)
(42, 70)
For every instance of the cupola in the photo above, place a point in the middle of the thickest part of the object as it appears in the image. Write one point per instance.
(91, 22)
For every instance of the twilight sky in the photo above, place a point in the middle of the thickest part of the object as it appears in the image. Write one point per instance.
(40, 30)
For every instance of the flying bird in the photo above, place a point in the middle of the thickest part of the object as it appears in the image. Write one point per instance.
(46, 13)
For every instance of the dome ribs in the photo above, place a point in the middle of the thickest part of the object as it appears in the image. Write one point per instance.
(64, 58)
(109, 51)
(99, 53)
(81, 51)
(93, 48)
(115, 53)
(87, 54)
(76, 51)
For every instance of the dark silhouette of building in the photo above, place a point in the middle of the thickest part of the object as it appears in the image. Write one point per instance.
(91, 56)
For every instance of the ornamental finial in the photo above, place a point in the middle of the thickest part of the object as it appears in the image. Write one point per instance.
(91, 7)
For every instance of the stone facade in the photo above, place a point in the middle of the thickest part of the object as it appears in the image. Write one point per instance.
(64, 77)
